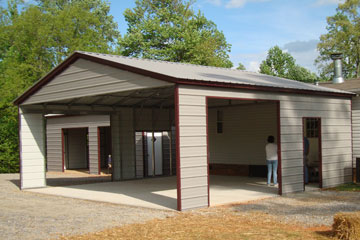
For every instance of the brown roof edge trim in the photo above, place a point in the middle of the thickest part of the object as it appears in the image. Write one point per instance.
(37, 85)
(263, 88)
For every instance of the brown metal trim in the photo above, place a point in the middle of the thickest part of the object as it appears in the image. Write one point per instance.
(111, 150)
(144, 155)
(303, 149)
(62, 149)
(279, 148)
(20, 148)
(99, 149)
(88, 148)
(320, 154)
(76, 55)
(352, 151)
(207, 148)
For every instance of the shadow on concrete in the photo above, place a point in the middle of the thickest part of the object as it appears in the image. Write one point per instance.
(151, 190)
(16, 182)
(69, 181)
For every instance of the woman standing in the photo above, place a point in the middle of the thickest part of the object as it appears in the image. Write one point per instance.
(271, 160)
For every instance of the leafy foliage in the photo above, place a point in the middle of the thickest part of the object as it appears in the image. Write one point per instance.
(282, 64)
(241, 67)
(170, 30)
(343, 36)
(34, 39)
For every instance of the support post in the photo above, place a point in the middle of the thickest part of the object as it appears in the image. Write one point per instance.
(32, 150)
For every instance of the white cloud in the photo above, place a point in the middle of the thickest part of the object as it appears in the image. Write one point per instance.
(253, 66)
(241, 3)
(304, 52)
(327, 2)
(251, 61)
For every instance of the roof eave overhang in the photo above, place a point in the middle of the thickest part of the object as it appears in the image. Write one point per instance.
(264, 88)
(76, 55)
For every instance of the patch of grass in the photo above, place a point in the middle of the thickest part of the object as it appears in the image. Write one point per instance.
(220, 225)
(350, 187)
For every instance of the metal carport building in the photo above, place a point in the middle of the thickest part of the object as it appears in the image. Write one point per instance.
(200, 102)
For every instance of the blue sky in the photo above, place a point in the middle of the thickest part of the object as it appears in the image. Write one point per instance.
(254, 26)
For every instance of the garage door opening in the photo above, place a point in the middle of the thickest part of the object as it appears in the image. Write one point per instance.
(237, 135)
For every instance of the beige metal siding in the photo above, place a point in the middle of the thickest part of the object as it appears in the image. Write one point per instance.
(115, 151)
(127, 143)
(32, 151)
(293, 108)
(155, 119)
(194, 187)
(166, 145)
(93, 150)
(86, 78)
(53, 138)
(356, 126)
(245, 130)
(139, 155)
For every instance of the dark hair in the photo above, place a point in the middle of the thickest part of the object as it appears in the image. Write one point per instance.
(271, 139)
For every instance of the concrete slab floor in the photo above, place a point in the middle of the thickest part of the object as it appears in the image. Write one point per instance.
(161, 193)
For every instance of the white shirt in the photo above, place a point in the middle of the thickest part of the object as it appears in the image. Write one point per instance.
(271, 151)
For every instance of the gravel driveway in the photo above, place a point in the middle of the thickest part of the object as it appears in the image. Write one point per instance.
(26, 215)
(309, 208)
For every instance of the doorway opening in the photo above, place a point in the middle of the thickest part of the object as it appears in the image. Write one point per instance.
(75, 149)
(104, 148)
(155, 154)
(312, 153)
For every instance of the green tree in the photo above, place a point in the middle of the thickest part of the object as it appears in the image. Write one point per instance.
(282, 64)
(34, 39)
(241, 67)
(170, 30)
(343, 34)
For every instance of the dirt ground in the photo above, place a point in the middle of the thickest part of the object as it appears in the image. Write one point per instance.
(26, 215)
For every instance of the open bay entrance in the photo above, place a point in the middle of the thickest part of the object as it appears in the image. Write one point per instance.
(237, 135)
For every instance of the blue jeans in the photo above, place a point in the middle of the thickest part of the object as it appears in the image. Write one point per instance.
(306, 174)
(272, 168)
